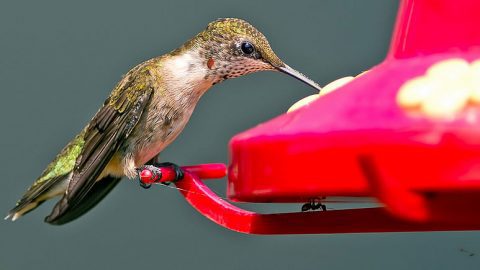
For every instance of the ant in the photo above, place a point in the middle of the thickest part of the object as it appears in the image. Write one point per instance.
(314, 204)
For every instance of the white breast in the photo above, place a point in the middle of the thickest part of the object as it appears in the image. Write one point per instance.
(186, 74)
(185, 78)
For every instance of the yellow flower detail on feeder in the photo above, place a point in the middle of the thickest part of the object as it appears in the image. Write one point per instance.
(325, 90)
(447, 88)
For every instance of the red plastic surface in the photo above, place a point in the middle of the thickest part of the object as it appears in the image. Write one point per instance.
(357, 141)
(336, 221)
(426, 27)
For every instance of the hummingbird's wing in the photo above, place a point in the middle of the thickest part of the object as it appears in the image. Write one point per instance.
(105, 133)
(99, 190)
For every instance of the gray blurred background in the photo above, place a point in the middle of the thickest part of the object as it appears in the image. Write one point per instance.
(59, 61)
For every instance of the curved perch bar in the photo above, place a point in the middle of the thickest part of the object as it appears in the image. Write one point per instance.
(336, 221)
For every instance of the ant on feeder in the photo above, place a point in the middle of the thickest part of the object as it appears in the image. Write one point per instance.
(314, 204)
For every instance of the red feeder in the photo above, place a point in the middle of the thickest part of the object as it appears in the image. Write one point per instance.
(359, 141)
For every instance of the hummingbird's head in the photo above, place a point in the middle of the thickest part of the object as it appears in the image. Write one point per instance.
(231, 47)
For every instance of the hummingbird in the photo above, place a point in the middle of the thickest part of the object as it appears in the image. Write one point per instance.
(144, 113)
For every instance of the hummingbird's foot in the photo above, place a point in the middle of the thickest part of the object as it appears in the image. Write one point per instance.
(314, 204)
(149, 172)
(178, 171)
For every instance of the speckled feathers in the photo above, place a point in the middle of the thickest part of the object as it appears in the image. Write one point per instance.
(220, 42)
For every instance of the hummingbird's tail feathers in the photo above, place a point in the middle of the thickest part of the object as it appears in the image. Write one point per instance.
(101, 188)
(39, 192)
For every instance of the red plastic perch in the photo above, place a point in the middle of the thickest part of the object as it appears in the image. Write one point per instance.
(335, 221)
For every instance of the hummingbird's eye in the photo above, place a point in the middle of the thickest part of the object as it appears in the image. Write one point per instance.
(247, 48)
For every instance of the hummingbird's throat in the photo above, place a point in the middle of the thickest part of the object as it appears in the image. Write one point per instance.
(188, 73)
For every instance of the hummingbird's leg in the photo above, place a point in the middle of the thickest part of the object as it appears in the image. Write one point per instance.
(152, 174)
(152, 161)
(155, 174)
(178, 171)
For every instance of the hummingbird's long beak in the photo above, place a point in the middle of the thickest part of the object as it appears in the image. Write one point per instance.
(299, 76)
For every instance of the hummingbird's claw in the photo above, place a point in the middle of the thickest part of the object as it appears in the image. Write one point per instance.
(150, 172)
(178, 171)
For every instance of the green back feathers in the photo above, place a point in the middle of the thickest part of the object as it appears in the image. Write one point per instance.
(65, 161)
(133, 84)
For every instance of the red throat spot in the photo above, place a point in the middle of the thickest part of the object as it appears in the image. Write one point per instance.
(210, 63)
